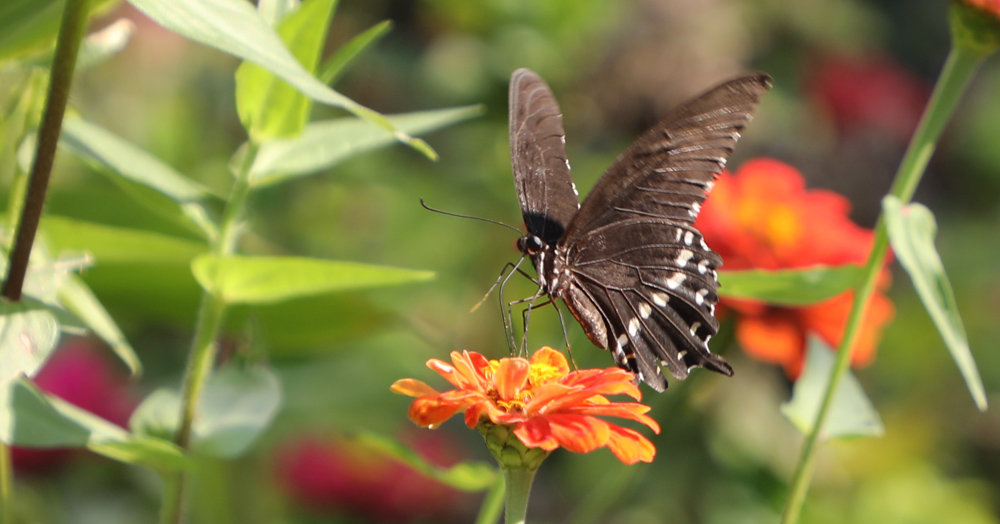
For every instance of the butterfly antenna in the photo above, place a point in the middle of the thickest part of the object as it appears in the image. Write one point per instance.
(508, 226)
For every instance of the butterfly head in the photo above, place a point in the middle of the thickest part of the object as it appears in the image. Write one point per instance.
(530, 245)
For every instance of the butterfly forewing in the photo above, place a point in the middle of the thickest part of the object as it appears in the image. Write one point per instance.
(629, 264)
(545, 191)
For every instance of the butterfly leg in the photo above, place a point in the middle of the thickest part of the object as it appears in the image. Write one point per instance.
(505, 313)
(562, 322)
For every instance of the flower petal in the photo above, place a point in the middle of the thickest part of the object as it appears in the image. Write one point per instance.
(536, 433)
(552, 358)
(412, 387)
(630, 446)
(578, 433)
(630, 410)
(430, 411)
(510, 377)
(774, 337)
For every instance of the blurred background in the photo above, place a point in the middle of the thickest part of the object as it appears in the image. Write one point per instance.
(850, 80)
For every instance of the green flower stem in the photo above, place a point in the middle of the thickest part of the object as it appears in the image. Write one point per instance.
(489, 512)
(518, 485)
(203, 348)
(958, 71)
(74, 23)
(6, 486)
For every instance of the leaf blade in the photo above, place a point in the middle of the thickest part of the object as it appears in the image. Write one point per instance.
(792, 287)
(911, 230)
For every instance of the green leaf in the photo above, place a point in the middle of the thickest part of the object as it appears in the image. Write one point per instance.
(850, 415)
(141, 174)
(234, 27)
(324, 144)
(34, 419)
(911, 231)
(268, 106)
(27, 26)
(237, 406)
(465, 476)
(273, 10)
(109, 244)
(265, 280)
(334, 67)
(80, 300)
(28, 334)
(27, 418)
(97, 47)
(792, 287)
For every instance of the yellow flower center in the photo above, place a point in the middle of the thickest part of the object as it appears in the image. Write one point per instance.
(538, 374)
(777, 225)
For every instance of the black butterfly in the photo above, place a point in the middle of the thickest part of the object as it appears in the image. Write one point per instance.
(628, 262)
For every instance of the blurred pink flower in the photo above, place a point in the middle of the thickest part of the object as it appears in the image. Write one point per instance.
(340, 475)
(868, 91)
(79, 372)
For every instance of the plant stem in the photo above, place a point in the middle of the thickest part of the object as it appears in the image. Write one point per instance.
(518, 482)
(489, 512)
(74, 22)
(6, 486)
(203, 348)
(958, 71)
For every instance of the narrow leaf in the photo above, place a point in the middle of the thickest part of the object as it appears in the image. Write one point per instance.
(234, 27)
(324, 144)
(263, 280)
(851, 414)
(911, 231)
(465, 476)
(80, 300)
(110, 244)
(332, 69)
(135, 170)
(28, 419)
(792, 287)
(268, 106)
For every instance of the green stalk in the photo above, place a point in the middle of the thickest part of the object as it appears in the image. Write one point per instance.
(6, 486)
(74, 23)
(958, 71)
(203, 348)
(489, 512)
(518, 482)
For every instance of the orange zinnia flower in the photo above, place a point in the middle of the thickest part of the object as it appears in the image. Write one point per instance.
(763, 217)
(547, 405)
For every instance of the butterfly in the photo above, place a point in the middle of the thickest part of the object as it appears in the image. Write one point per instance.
(627, 261)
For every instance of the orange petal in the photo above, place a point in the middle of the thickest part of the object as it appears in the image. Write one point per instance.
(511, 376)
(446, 370)
(412, 387)
(630, 410)
(466, 369)
(578, 433)
(551, 357)
(630, 446)
(535, 433)
(773, 337)
(430, 411)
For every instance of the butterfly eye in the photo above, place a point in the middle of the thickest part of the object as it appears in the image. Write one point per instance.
(529, 245)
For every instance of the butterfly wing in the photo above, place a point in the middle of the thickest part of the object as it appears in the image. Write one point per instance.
(644, 281)
(545, 191)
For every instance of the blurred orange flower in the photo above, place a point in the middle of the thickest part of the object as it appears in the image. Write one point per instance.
(763, 217)
(989, 6)
(547, 405)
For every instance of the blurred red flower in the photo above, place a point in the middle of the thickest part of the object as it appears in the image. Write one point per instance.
(868, 91)
(989, 6)
(547, 405)
(80, 373)
(763, 217)
(336, 474)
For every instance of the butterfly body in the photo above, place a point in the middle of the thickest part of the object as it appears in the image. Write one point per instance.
(627, 262)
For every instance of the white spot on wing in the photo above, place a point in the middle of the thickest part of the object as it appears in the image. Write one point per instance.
(644, 310)
(703, 266)
(683, 257)
(633, 327)
(660, 299)
(622, 341)
(689, 237)
(695, 209)
(675, 281)
(694, 328)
